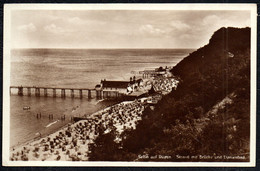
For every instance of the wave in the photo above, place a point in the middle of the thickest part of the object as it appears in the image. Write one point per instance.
(50, 124)
(99, 101)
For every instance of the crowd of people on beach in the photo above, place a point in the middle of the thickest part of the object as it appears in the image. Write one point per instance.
(72, 142)
(164, 84)
(124, 116)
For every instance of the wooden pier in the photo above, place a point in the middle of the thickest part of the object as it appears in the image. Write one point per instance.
(43, 91)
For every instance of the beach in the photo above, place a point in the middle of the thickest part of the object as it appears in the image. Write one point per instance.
(74, 68)
(71, 142)
(36, 134)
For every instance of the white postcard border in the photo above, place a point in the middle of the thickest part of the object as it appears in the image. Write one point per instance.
(6, 80)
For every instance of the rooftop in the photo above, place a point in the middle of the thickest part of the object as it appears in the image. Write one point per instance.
(115, 84)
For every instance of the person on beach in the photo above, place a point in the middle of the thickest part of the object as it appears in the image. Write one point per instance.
(66, 143)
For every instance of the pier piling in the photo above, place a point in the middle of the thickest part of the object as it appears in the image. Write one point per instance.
(72, 93)
(89, 94)
(20, 91)
(98, 94)
(63, 94)
(80, 94)
(39, 115)
(45, 92)
(29, 91)
(51, 116)
(54, 92)
(37, 92)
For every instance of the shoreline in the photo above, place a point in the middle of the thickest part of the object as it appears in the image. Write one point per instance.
(103, 104)
(96, 118)
(65, 142)
(36, 139)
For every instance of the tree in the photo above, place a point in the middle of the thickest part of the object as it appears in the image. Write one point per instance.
(104, 148)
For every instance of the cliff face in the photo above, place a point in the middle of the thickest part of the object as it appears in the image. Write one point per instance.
(222, 44)
(208, 114)
(218, 68)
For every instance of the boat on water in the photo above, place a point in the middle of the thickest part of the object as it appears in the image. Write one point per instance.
(26, 108)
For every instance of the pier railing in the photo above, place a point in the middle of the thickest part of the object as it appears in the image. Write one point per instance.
(44, 91)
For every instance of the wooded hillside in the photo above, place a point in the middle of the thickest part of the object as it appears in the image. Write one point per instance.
(208, 114)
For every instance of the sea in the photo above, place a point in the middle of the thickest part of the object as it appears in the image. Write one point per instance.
(71, 68)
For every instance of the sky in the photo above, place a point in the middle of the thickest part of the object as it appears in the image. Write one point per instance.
(89, 29)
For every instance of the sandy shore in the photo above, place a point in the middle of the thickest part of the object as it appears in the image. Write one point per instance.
(71, 143)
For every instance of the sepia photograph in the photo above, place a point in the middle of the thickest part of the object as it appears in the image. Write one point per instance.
(129, 85)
